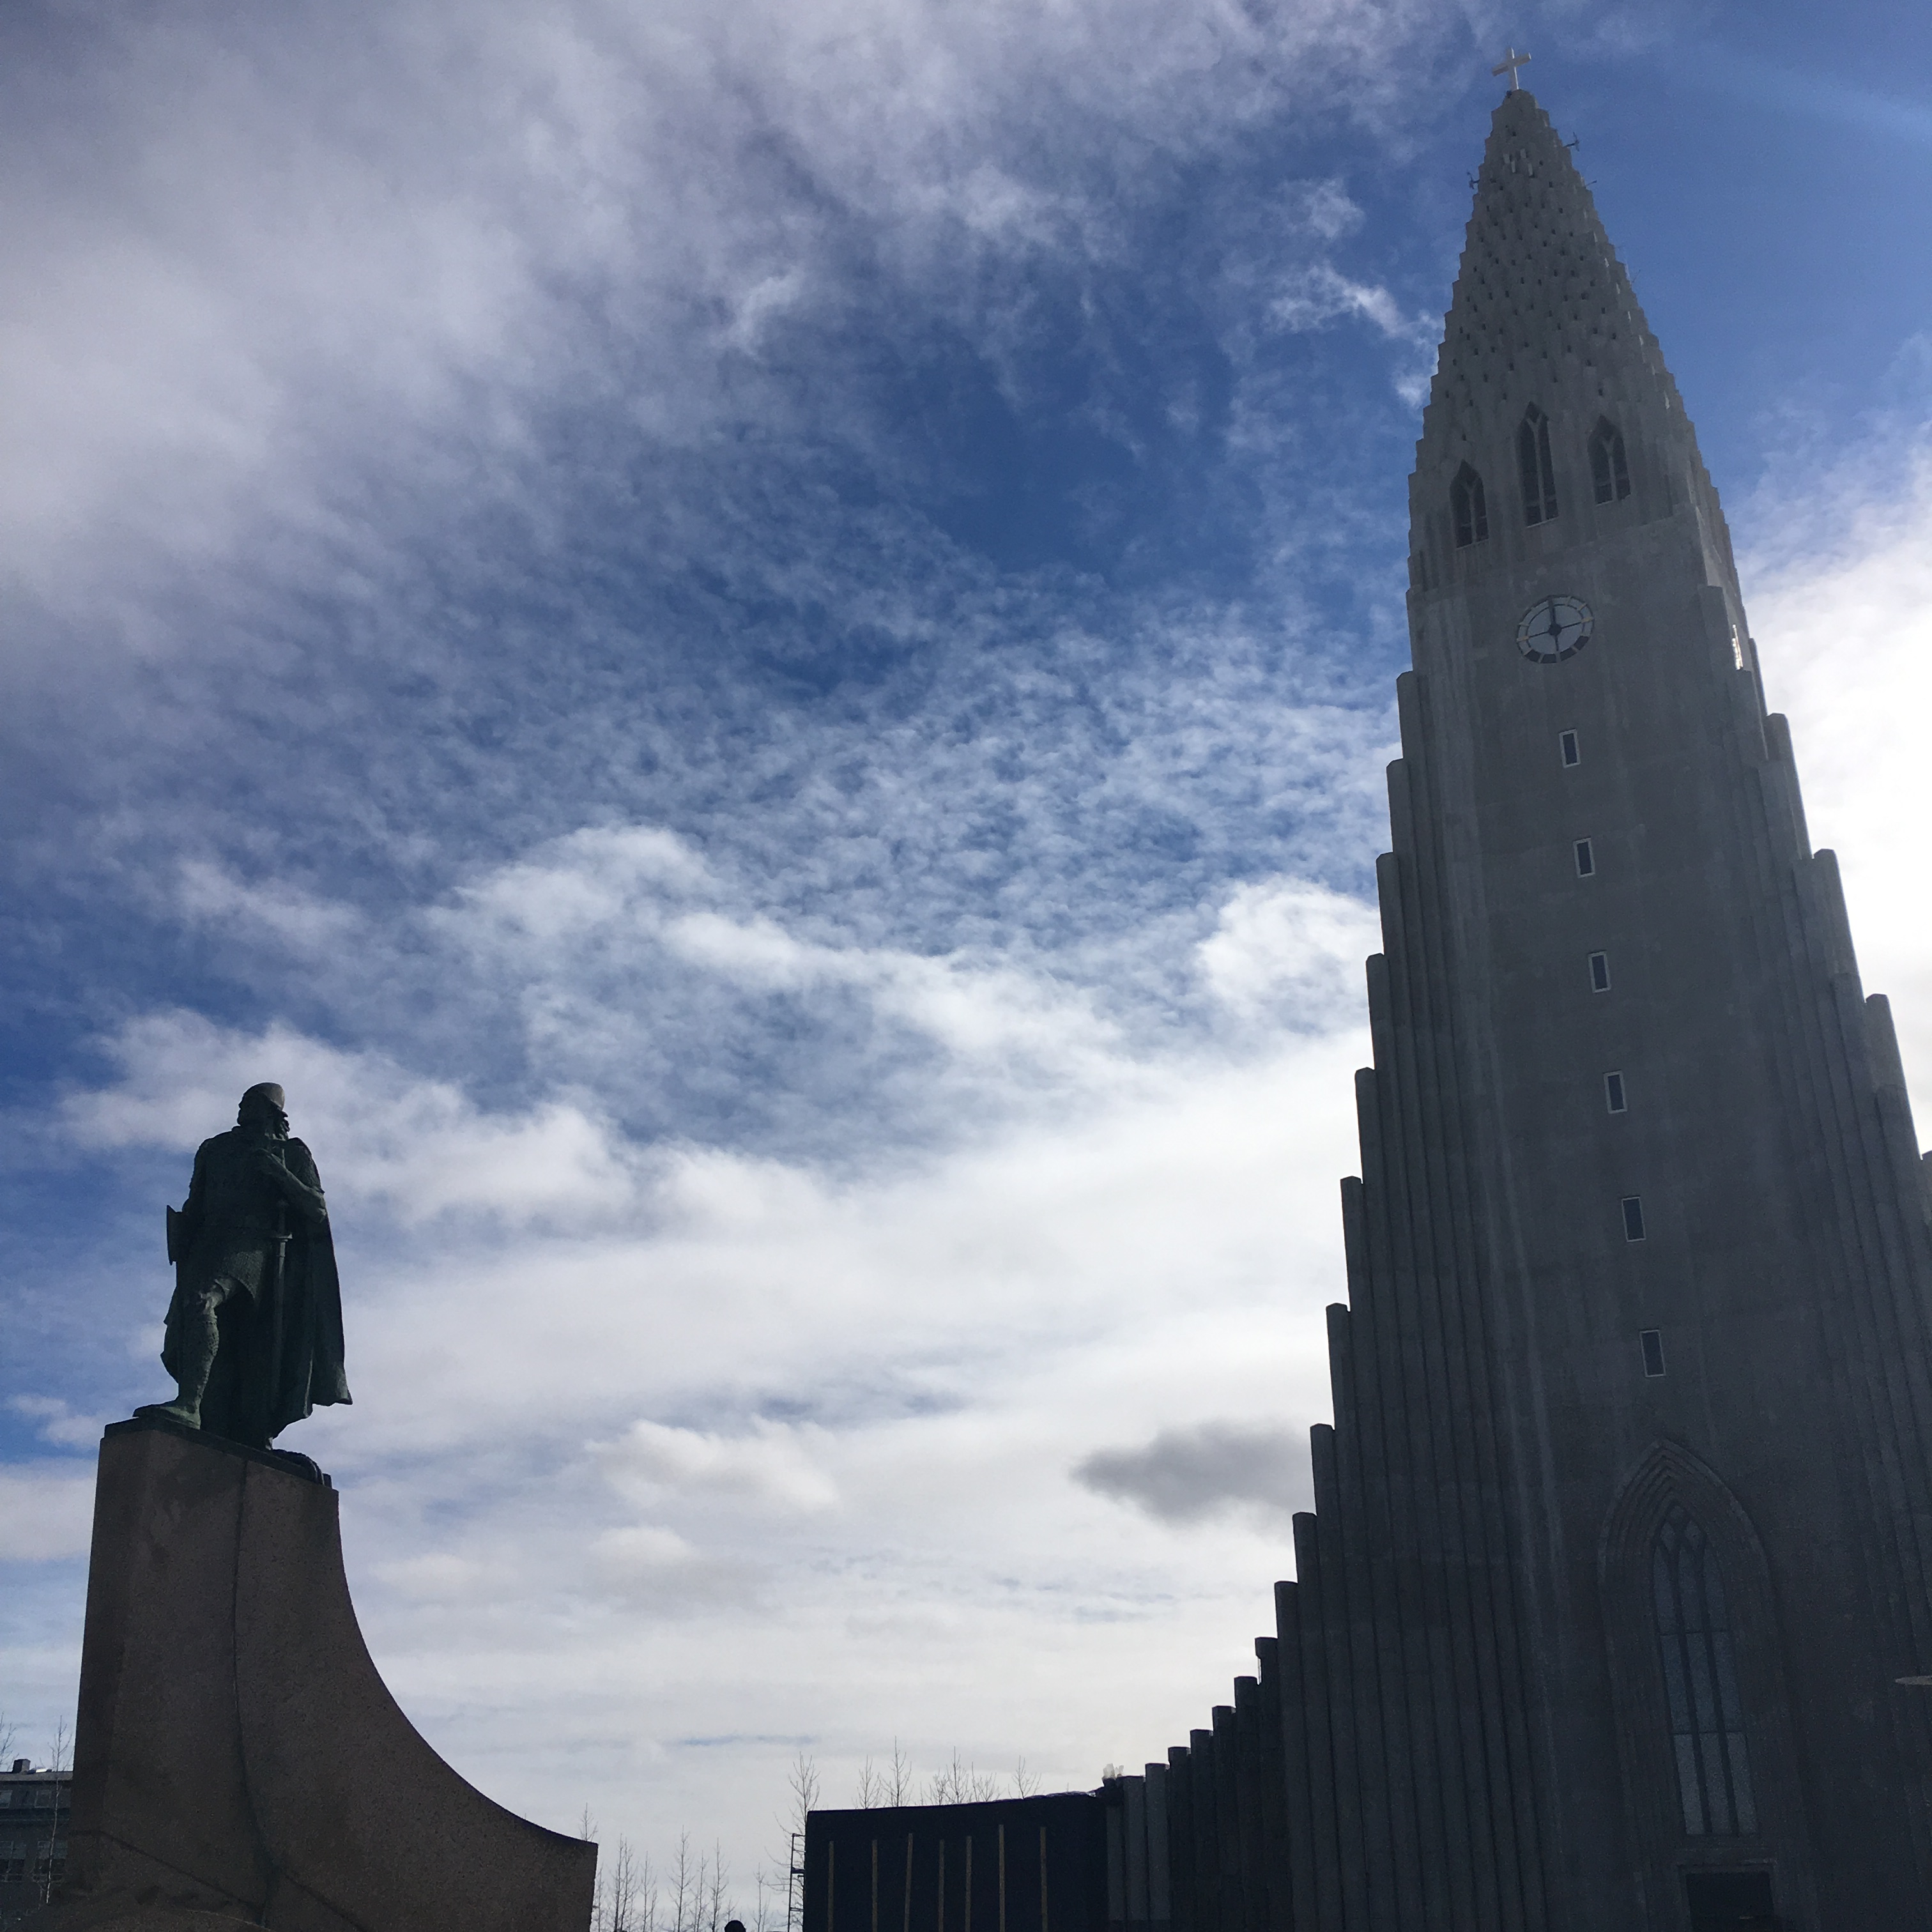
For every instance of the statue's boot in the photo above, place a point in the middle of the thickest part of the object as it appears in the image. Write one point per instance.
(173, 1411)
(195, 1344)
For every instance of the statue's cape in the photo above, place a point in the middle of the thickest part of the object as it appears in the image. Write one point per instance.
(296, 1343)
(308, 1372)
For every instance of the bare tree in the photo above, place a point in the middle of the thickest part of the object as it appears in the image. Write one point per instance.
(46, 1874)
(779, 1876)
(804, 1783)
(962, 1784)
(893, 1785)
(687, 1884)
(1025, 1782)
(772, 1891)
(586, 1830)
(621, 1888)
(718, 1909)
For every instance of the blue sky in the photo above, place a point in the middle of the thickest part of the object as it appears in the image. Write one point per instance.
(753, 649)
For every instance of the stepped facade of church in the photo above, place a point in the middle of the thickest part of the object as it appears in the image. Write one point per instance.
(1623, 1529)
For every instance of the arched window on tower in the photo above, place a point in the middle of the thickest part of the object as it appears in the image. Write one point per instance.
(1609, 473)
(1467, 509)
(1533, 466)
(1700, 1681)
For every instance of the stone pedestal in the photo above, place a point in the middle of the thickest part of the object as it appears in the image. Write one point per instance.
(236, 1756)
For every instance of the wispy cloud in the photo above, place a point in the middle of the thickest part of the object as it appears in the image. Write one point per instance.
(326, 251)
(1320, 294)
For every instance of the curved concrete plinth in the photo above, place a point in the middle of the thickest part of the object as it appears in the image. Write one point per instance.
(237, 1757)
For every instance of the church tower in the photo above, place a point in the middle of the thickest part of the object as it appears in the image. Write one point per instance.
(1623, 1533)
(1623, 1528)
(1641, 1279)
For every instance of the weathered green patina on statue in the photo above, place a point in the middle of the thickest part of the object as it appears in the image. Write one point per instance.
(254, 1331)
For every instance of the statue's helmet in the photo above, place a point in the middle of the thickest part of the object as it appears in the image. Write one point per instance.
(265, 1094)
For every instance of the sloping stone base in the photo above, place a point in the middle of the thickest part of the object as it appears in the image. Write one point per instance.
(237, 1758)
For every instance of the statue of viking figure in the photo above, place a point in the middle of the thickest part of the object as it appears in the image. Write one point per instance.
(254, 1331)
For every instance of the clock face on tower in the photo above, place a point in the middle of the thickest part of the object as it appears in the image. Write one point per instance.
(1557, 629)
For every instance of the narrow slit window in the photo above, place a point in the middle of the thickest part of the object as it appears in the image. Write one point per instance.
(1586, 859)
(1613, 1093)
(1566, 746)
(1737, 650)
(1652, 1339)
(1469, 509)
(1600, 972)
(1609, 473)
(1633, 1217)
(1533, 467)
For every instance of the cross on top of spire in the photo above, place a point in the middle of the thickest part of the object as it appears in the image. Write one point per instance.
(1511, 61)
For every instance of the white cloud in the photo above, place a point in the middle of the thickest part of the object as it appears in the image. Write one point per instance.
(1292, 946)
(259, 255)
(437, 1575)
(57, 1423)
(588, 882)
(1844, 635)
(975, 1010)
(47, 1512)
(420, 1147)
(770, 1464)
(775, 296)
(653, 1568)
(1322, 208)
(1318, 294)
(740, 1281)
(210, 896)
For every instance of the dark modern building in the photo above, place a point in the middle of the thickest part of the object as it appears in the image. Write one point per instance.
(34, 1806)
(1015, 1864)
(1622, 1526)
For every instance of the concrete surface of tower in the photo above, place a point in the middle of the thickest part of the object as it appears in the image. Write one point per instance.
(1640, 1142)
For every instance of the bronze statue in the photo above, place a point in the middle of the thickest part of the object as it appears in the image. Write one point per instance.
(254, 1331)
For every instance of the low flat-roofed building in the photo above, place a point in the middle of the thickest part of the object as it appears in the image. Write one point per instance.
(34, 1805)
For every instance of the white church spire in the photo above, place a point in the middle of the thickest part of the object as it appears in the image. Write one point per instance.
(1550, 396)
(1541, 304)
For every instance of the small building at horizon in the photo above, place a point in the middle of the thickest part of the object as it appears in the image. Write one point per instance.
(34, 1805)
